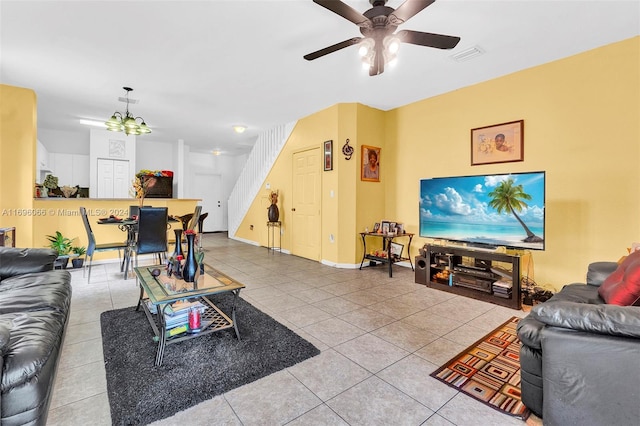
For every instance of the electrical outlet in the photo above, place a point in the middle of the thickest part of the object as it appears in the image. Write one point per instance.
(251, 227)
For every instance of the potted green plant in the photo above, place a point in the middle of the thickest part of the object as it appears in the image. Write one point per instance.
(62, 245)
(50, 182)
(78, 261)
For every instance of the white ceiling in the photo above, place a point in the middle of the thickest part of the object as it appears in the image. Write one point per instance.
(198, 67)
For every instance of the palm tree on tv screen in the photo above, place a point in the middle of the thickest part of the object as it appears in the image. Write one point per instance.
(507, 197)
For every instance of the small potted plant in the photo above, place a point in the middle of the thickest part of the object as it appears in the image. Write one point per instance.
(62, 245)
(78, 261)
(51, 183)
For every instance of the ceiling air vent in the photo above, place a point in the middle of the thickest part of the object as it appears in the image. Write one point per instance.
(467, 54)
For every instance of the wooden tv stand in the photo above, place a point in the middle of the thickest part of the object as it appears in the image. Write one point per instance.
(472, 273)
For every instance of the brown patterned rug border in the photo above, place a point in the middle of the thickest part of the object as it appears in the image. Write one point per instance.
(489, 371)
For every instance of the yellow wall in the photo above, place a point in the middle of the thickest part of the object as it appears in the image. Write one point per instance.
(340, 213)
(34, 219)
(308, 134)
(17, 160)
(581, 118)
(581, 125)
(63, 214)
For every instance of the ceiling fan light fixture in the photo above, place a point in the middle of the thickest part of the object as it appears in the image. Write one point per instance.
(378, 25)
(392, 44)
(366, 47)
(126, 123)
(239, 128)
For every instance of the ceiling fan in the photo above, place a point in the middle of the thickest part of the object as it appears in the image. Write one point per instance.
(378, 24)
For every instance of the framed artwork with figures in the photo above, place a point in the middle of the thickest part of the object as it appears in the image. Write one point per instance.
(499, 143)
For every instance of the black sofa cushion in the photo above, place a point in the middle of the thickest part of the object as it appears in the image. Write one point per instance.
(35, 292)
(23, 261)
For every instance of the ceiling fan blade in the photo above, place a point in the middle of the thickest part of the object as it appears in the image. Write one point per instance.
(333, 48)
(346, 11)
(439, 41)
(407, 10)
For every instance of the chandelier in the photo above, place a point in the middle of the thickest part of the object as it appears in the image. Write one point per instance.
(126, 122)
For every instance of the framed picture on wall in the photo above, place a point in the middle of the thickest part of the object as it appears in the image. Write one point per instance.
(499, 143)
(328, 155)
(117, 148)
(370, 164)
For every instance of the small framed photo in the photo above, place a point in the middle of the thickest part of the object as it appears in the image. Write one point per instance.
(499, 143)
(400, 228)
(384, 227)
(392, 227)
(328, 155)
(396, 249)
(376, 227)
(370, 167)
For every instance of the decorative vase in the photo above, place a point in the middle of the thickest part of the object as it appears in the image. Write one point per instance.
(178, 249)
(190, 268)
(273, 213)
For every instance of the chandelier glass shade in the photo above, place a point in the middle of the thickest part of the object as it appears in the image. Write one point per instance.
(126, 122)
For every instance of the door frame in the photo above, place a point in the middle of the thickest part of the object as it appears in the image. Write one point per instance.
(318, 235)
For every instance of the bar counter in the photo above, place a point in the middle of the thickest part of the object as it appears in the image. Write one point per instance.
(63, 214)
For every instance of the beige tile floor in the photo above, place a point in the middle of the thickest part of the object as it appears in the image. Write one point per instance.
(380, 339)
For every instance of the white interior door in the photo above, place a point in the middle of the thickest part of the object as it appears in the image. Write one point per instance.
(306, 204)
(208, 187)
(113, 178)
(121, 179)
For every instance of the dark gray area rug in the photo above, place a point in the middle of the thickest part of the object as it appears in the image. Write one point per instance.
(194, 370)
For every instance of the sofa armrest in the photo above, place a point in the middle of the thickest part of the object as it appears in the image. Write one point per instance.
(602, 319)
(599, 271)
(589, 379)
(18, 261)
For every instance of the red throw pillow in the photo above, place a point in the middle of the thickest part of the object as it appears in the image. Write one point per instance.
(622, 287)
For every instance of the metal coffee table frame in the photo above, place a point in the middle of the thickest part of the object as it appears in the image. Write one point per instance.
(213, 319)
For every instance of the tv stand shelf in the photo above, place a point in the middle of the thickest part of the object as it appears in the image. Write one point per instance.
(473, 273)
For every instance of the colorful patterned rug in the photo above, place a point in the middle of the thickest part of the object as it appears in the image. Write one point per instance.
(489, 371)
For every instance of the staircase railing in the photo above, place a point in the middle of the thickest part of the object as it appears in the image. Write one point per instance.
(259, 163)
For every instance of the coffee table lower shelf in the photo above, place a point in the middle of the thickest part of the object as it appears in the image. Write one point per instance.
(212, 320)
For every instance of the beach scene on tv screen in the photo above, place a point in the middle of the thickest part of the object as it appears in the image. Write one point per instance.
(498, 210)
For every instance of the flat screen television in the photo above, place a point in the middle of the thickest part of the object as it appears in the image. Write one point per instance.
(485, 210)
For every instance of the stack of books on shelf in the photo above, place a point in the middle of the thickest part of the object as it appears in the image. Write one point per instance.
(502, 288)
(176, 315)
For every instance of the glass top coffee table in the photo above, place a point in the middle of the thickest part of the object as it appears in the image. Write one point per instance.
(166, 299)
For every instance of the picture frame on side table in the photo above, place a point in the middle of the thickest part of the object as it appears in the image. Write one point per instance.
(376, 227)
(400, 228)
(396, 249)
(370, 164)
(328, 155)
(499, 143)
(384, 227)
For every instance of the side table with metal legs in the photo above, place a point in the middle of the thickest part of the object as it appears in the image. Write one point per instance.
(271, 241)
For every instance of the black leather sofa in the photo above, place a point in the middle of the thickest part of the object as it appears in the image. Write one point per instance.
(580, 357)
(34, 311)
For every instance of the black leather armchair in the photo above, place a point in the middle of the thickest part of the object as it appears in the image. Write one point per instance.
(34, 311)
(580, 357)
